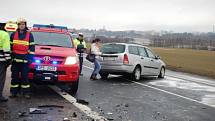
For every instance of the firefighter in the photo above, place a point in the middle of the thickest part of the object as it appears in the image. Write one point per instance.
(22, 47)
(4, 58)
(80, 46)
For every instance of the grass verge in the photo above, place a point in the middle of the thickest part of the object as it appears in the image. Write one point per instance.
(199, 62)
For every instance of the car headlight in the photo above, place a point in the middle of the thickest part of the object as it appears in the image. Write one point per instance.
(71, 60)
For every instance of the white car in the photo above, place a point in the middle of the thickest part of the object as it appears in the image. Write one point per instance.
(133, 59)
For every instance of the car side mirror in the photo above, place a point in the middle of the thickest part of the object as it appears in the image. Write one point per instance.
(157, 57)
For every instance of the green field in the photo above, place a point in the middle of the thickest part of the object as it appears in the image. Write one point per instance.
(199, 62)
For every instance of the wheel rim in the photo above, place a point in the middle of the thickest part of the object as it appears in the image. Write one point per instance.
(162, 72)
(137, 74)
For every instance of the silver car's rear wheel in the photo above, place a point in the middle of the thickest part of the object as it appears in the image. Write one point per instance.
(136, 74)
(162, 73)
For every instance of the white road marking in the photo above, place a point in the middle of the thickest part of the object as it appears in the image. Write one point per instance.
(83, 108)
(200, 81)
(161, 90)
(171, 93)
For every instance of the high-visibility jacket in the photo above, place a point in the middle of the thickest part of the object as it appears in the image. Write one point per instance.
(78, 42)
(22, 46)
(79, 45)
(4, 46)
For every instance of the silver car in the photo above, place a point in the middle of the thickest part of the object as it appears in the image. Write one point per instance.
(133, 59)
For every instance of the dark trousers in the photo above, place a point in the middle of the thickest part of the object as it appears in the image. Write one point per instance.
(19, 78)
(81, 59)
(3, 70)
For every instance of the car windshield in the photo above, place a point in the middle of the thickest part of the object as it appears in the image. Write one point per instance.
(113, 48)
(52, 39)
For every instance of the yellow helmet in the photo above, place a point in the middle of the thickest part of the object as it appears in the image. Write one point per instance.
(11, 26)
(20, 20)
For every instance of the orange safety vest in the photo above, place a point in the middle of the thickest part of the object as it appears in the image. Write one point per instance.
(21, 46)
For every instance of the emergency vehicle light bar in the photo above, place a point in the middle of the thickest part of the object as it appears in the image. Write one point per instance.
(50, 26)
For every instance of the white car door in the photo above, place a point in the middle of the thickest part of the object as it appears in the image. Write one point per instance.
(154, 64)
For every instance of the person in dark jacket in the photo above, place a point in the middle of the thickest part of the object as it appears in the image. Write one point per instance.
(22, 47)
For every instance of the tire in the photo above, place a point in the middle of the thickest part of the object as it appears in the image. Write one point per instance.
(162, 73)
(136, 75)
(104, 75)
(70, 88)
(74, 88)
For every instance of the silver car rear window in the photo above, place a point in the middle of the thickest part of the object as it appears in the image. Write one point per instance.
(113, 48)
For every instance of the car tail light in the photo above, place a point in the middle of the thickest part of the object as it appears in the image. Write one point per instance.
(125, 60)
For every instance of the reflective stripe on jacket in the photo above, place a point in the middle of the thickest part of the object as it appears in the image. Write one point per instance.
(4, 46)
(22, 46)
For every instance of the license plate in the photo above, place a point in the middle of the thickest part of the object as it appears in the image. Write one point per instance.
(109, 59)
(47, 78)
(46, 68)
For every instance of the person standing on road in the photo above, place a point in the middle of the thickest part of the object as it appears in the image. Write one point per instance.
(95, 49)
(22, 46)
(80, 46)
(4, 58)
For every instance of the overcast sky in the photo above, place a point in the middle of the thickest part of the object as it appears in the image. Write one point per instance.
(176, 15)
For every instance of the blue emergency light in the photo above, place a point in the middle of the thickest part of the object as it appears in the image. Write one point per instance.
(54, 62)
(50, 26)
(38, 61)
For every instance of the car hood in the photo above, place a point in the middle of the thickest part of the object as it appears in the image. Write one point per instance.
(54, 51)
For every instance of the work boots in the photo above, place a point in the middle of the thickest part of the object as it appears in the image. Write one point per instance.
(3, 99)
(13, 96)
(27, 96)
(93, 77)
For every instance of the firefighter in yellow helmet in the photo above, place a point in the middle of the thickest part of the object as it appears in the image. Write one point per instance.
(22, 46)
(4, 58)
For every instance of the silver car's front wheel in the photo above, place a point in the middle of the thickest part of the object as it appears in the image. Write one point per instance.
(162, 73)
(136, 74)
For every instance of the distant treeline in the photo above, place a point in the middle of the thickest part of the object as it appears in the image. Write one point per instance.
(108, 39)
(203, 41)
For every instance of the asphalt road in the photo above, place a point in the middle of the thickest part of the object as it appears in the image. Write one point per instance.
(177, 97)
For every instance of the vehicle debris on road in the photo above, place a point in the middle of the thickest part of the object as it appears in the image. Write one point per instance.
(51, 106)
(74, 115)
(66, 119)
(82, 102)
(22, 114)
(36, 111)
(109, 113)
(126, 105)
